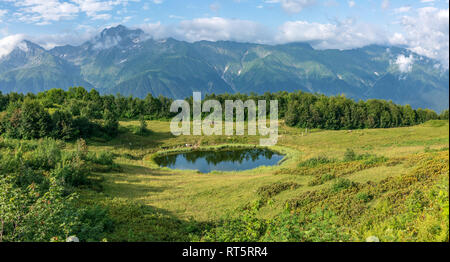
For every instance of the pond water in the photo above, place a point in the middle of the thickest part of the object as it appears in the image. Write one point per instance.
(221, 160)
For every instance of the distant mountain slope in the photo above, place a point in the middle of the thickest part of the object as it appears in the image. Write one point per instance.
(124, 61)
(30, 68)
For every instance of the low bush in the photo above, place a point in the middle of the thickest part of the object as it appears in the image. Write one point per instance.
(316, 161)
(319, 180)
(102, 158)
(37, 199)
(271, 190)
(341, 184)
(364, 197)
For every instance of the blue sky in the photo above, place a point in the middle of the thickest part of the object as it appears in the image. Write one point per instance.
(421, 25)
(37, 17)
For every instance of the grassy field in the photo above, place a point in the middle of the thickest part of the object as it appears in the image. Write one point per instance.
(157, 204)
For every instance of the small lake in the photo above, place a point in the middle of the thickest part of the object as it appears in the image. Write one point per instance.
(221, 160)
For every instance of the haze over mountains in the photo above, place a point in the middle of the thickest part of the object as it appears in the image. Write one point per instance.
(125, 61)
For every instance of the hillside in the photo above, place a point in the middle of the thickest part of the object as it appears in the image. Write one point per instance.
(69, 167)
(377, 195)
(121, 60)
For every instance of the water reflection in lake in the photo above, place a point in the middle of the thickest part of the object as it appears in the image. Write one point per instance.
(221, 160)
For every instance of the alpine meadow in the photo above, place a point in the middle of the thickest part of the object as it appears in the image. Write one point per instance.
(353, 98)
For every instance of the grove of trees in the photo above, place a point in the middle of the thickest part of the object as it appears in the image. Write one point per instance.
(78, 113)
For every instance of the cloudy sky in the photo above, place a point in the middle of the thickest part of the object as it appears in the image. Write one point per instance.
(421, 25)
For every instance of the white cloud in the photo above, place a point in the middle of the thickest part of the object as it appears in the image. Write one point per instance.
(424, 30)
(351, 4)
(155, 30)
(93, 7)
(77, 36)
(427, 33)
(402, 9)
(48, 11)
(35, 11)
(293, 6)
(301, 31)
(7, 44)
(398, 39)
(101, 16)
(404, 63)
(339, 35)
(217, 28)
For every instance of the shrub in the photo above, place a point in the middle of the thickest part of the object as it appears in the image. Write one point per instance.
(36, 203)
(102, 158)
(319, 180)
(110, 124)
(349, 155)
(274, 189)
(367, 159)
(318, 226)
(28, 215)
(142, 126)
(246, 228)
(364, 197)
(63, 125)
(46, 155)
(316, 161)
(95, 224)
(341, 184)
(102, 161)
(70, 176)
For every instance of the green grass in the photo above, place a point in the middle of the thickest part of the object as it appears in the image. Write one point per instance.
(149, 200)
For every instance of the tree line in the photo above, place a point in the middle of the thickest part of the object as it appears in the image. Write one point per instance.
(79, 113)
(76, 113)
(306, 110)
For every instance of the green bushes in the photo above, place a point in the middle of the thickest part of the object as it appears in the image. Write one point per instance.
(70, 176)
(421, 216)
(319, 180)
(45, 156)
(102, 161)
(366, 159)
(37, 199)
(444, 115)
(95, 224)
(246, 228)
(30, 120)
(316, 161)
(364, 197)
(341, 184)
(338, 112)
(298, 109)
(142, 126)
(411, 207)
(317, 226)
(325, 169)
(350, 155)
(102, 158)
(29, 215)
(27, 120)
(135, 221)
(273, 189)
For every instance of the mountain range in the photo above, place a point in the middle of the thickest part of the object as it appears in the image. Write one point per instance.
(126, 61)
